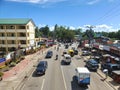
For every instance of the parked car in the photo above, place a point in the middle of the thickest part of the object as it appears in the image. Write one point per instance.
(41, 67)
(85, 53)
(111, 67)
(49, 54)
(92, 65)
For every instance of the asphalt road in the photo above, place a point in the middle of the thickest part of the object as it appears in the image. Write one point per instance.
(62, 77)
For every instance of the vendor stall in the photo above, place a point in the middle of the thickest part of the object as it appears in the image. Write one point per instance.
(116, 76)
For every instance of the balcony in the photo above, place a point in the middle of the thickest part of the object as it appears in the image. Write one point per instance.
(21, 30)
(11, 38)
(10, 30)
(21, 38)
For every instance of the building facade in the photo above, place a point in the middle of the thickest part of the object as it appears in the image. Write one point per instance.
(16, 33)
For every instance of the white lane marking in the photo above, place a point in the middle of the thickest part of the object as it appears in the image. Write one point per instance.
(42, 84)
(64, 79)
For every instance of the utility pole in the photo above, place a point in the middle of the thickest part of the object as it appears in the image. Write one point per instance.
(90, 35)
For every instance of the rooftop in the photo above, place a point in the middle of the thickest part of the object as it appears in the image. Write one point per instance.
(15, 21)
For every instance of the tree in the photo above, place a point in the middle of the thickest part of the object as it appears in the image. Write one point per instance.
(37, 33)
(45, 31)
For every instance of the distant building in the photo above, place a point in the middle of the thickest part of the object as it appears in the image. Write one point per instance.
(16, 33)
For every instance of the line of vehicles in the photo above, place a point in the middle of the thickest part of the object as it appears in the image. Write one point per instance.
(82, 73)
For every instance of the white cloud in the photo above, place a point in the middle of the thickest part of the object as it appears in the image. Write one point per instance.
(37, 1)
(41, 25)
(93, 2)
(51, 28)
(105, 28)
(71, 27)
(97, 28)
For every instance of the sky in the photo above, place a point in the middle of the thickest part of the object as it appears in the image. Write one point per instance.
(104, 15)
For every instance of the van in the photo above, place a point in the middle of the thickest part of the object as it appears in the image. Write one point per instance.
(82, 76)
(67, 59)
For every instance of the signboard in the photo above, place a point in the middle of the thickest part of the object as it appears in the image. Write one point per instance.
(2, 60)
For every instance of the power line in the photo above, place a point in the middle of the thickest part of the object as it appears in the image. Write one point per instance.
(108, 14)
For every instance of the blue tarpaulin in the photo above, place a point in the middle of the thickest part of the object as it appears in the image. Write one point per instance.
(2, 60)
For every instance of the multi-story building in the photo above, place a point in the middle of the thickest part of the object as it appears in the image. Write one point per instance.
(16, 33)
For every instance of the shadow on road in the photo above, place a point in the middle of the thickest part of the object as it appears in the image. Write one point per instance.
(75, 86)
(34, 75)
(62, 62)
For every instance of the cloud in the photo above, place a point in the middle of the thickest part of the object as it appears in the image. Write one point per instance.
(51, 28)
(93, 2)
(71, 27)
(105, 28)
(37, 1)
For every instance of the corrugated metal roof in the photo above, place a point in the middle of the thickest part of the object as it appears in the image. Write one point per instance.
(14, 21)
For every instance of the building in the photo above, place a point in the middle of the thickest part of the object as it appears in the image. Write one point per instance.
(16, 33)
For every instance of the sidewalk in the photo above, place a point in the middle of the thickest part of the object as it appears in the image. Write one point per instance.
(109, 80)
(14, 77)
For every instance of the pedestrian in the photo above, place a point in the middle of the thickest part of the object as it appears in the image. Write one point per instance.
(106, 73)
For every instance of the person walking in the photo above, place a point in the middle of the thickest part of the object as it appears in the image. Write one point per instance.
(106, 73)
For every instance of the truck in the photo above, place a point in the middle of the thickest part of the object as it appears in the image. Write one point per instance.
(82, 76)
(67, 59)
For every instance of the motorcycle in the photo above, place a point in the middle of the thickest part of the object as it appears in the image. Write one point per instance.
(56, 57)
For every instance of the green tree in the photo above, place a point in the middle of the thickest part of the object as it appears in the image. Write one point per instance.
(45, 31)
(37, 33)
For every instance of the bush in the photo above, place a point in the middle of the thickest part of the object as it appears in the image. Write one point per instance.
(12, 64)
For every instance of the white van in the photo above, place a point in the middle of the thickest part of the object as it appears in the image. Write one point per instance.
(67, 59)
(83, 76)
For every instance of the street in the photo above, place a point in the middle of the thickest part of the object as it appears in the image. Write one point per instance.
(62, 77)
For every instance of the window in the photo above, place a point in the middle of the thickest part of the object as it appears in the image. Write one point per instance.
(27, 27)
(13, 42)
(1, 27)
(10, 27)
(3, 42)
(21, 27)
(12, 34)
(3, 35)
(22, 34)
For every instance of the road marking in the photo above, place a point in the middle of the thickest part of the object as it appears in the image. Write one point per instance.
(64, 79)
(42, 84)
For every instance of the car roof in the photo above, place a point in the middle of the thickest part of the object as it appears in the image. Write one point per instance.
(67, 55)
(82, 70)
(42, 62)
(49, 51)
(93, 61)
(113, 64)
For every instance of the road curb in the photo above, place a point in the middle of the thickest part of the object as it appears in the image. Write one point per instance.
(30, 70)
(106, 80)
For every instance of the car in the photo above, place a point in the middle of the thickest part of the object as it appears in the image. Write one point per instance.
(85, 53)
(92, 65)
(66, 46)
(75, 52)
(64, 52)
(110, 67)
(41, 67)
(49, 54)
